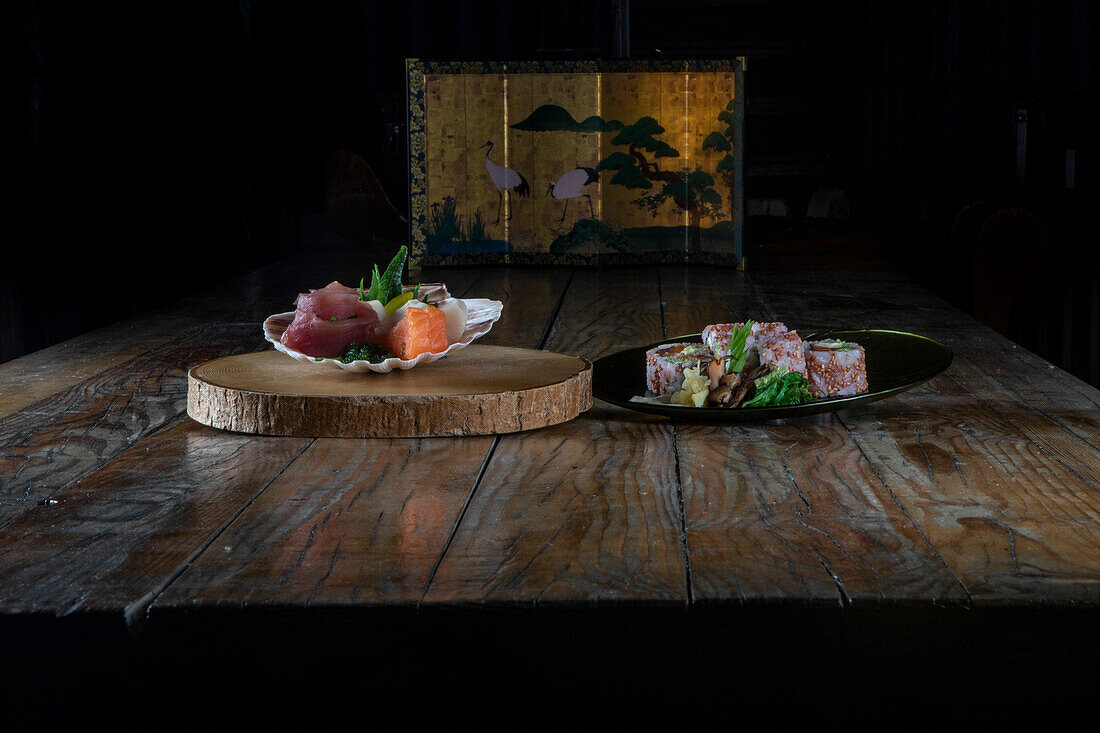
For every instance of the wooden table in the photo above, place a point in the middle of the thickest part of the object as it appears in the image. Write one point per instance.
(932, 545)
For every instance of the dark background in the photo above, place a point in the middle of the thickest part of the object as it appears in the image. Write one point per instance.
(172, 146)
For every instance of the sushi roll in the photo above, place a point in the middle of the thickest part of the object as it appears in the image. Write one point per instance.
(783, 349)
(835, 368)
(716, 336)
(665, 364)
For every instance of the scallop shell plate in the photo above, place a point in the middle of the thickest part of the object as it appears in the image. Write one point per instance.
(480, 316)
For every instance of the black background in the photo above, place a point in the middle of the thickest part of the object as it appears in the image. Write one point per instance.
(170, 146)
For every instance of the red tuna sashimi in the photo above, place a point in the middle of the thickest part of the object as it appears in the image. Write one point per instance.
(334, 301)
(324, 338)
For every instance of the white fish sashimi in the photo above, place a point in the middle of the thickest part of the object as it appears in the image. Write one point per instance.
(456, 312)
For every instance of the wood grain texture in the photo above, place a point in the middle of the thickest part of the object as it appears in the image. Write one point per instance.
(115, 538)
(980, 488)
(350, 521)
(479, 390)
(50, 444)
(582, 512)
(586, 511)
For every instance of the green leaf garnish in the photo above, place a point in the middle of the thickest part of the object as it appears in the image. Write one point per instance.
(737, 353)
(367, 352)
(780, 387)
(391, 278)
(384, 286)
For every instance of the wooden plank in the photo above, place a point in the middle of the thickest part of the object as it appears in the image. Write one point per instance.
(587, 511)
(49, 445)
(795, 512)
(607, 310)
(584, 512)
(362, 521)
(1003, 513)
(115, 537)
(351, 521)
(531, 297)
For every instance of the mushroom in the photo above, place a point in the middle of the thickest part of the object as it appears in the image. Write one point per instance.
(719, 396)
(716, 370)
(747, 378)
(721, 393)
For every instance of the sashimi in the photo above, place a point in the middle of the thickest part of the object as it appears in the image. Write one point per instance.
(324, 338)
(420, 331)
(333, 301)
(328, 320)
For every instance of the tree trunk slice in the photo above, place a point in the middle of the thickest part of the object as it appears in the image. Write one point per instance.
(480, 390)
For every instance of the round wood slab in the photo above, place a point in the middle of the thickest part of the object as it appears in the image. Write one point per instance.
(480, 390)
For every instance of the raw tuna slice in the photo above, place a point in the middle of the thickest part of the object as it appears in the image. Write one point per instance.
(319, 337)
(333, 301)
(327, 321)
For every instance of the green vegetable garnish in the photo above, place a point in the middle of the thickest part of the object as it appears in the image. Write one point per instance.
(834, 345)
(385, 286)
(737, 352)
(367, 352)
(780, 387)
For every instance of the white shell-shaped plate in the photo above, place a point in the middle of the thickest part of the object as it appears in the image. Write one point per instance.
(480, 316)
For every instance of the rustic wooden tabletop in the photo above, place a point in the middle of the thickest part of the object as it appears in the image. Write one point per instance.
(955, 524)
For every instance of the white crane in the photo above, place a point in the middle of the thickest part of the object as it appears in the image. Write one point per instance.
(505, 179)
(571, 186)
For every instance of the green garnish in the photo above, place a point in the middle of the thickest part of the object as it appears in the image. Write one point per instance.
(780, 387)
(737, 352)
(385, 286)
(367, 352)
(834, 345)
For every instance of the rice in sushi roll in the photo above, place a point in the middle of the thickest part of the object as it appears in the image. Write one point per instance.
(835, 368)
(783, 349)
(665, 365)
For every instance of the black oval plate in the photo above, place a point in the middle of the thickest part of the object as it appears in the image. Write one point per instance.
(896, 361)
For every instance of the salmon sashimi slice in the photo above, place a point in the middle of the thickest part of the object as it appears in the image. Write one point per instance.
(422, 330)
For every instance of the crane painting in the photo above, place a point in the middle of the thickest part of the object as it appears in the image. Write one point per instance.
(505, 179)
(634, 161)
(573, 185)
